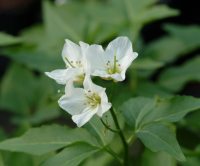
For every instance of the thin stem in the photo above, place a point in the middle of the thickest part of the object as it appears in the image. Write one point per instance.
(108, 127)
(125, 144)
(112, 153)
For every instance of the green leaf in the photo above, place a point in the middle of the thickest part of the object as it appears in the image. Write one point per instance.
(151, 89)
(99, 160)
(98, 130)
(146, 64)
(175, 78)
(1, 160)
(182, 40)
(157, 12)
(33, 100)
(13, 85)
(159, 50)
(189, 35)
(133, 107)
(39, 141)
(159, 137)
(17, 159)
(6, 39)
(140, 12)
(171, 109)
(140, 111)
(71, 156)
(151, 159)
(45, 112)
(58, 26)
(191, 161)
(39, 60)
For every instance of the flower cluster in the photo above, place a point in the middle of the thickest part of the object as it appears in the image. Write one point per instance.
(83, 61)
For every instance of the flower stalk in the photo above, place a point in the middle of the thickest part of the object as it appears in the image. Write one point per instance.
(122, 137)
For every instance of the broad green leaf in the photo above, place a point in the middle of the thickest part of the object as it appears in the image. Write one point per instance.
(6, 39)
(35, 59)
(98, 130)
(1, 160)
(159, 49)
(151, 159)
(191, 161)
(175, 78)
(144, 11)
(182, 40)
(140, 111)
(133, 107)
(151, 89)
(71, 156)
(159, 137)
(171, 109)
(33, 100)
(146, 64)
(157, 12)
(140, 12)
(41, 140)
(58, 26)
(187, 34)
(17, 159)
(14, 95)
(44, 113)
(99, 160)
(32, 35)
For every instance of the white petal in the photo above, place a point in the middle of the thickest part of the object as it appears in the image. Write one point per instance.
(126, 61)
(71, 52)
(59, 75)
(105, 75)
(104, 108)
(118, 76)
(89, 85)
(101, 73)
(95, 57)
(62, 76)
(74, 101)
(84, 46)
(85, 63)
(105, 105)
(119, 47)
(84, 117)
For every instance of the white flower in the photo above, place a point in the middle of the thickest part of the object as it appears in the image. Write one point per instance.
(83, 104)
(74, 58)
(114, 61)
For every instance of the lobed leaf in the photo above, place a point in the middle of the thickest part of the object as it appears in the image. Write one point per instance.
(140, 111)
(6, 39)
(71, 156)
(41, 140)
(159, 137)
(175, 78)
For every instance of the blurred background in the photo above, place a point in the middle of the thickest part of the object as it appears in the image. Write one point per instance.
(166, 33)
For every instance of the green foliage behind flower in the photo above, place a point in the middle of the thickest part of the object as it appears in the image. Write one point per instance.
(147, 109)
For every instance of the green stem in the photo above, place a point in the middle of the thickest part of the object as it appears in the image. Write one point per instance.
(112, 153)
(108, 127)
(123, 139)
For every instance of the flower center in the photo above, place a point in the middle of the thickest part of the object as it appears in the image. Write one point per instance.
(93, 99)
(113, 68)
(79, 78)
